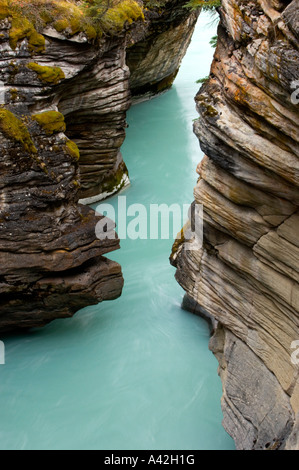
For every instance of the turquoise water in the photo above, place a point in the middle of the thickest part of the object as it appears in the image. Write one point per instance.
(135, 373)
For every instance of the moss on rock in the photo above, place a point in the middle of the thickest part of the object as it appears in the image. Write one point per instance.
(22, 28)
(72, 149)
(51, 122)
(49, 75)
(13, 128)
(115, 181)
(125, 12)
(13, 94)
(4, 10)
(91, 17)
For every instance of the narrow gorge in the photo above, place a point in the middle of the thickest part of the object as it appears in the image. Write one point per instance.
(65, 92)
(136, 373)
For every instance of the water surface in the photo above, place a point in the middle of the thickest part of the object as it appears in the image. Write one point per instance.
(135, 373)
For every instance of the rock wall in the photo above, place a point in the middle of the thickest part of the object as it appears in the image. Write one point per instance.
(154, 61)
(142, 61)
(246, 273)
(94, 102)
(51, 262)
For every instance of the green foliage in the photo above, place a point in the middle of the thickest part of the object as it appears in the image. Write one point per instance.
(203, 80)
(213, 41)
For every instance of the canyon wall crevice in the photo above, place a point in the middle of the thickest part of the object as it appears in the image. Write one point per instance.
(246, 273)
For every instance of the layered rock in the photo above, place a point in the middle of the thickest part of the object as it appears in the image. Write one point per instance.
(51, 261)
(154, 61)
(94, 102)
(246, 272)
(142, 61)
(100, 83)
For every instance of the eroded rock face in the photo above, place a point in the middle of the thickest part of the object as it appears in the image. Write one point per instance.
(100, 82)
(94, 103)
(51, 262)
(155, 60)
(246, 273)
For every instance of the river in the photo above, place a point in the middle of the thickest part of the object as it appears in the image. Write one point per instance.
(135, 373)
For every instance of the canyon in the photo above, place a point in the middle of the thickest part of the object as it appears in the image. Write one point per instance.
(63, 123)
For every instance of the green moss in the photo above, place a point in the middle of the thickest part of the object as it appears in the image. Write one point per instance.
(76, 183)
(72, 149)
(4, 10)
(49, 75)
(13, 94)
(19, 30)
(75, 24)
(46, 17)
(92, 17)
(13, 128)
(91, 32)
(36, 42)
(211, 111)
(125, 12)
(61, 25)
(22, 28)
(13, 69)
(207, 108)
(51, 122)
(116, 180)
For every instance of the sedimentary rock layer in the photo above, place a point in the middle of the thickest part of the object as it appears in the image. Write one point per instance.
(246, 273)
(154, 61)
(94, 102)
(96, 92)
(51, 262)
